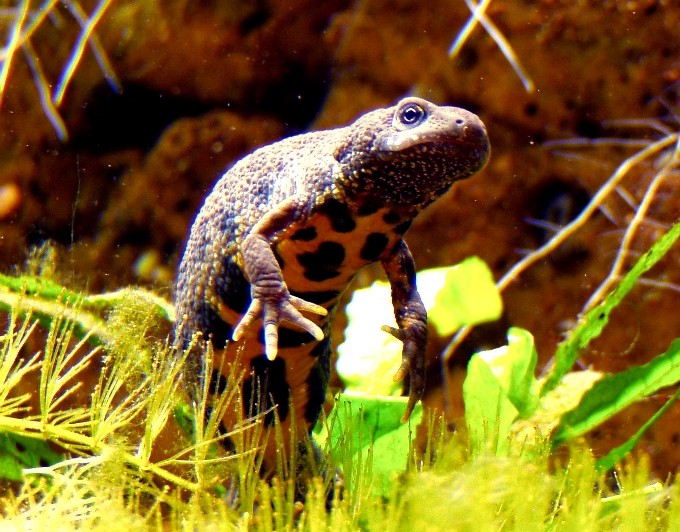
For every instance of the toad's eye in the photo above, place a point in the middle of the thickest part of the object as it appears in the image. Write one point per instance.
(411, 114)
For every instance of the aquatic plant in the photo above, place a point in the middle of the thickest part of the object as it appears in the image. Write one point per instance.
(109, 473)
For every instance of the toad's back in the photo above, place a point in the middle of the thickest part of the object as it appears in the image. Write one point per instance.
(285, 230)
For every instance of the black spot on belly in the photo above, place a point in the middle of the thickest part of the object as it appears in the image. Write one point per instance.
(317, 382)
(305, 234)
(368, 207)
(375, 244)
(323, 348)
(291, 338)
(267, 388)
(403, 227)
(318, 297)
(213, 327)
(339, 215)
(218, 383)
(323, 263)
(391, 217)
(233, 288)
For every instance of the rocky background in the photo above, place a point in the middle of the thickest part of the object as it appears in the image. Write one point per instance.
(116, 176)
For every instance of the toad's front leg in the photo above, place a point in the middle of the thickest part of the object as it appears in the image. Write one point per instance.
(411, 317)
(271, 299)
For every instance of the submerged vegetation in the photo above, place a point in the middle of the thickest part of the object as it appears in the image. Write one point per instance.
(136, 453)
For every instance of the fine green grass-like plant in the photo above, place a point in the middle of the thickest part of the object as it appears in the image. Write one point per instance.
(89, 447)
(99, 457)
(103, 463)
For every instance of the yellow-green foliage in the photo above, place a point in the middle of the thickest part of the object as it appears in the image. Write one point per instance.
(115, 473)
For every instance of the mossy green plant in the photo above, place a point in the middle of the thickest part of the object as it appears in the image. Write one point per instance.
(110, 466)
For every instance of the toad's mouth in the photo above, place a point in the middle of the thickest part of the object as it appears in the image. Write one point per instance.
(471, 140)
(472, 153)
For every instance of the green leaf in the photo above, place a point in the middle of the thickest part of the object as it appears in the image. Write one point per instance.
(615, 392)
(592, 324)
(515, 369)
(617, 454)
(367, 360)
(453, 296)
(488, 411)
(366, 424)
(537, 428)
(468, 296)
(19, 452)
(499, 387)
(369, 357)
(39, 286)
